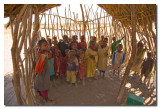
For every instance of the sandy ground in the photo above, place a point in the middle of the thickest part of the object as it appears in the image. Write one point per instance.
(102, 91)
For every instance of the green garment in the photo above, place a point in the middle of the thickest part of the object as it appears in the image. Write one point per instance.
(114, 46)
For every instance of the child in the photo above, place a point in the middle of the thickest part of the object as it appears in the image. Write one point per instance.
(103, 57)
(101, 41)
(63, 45)
(63, 64)
(83, 46)
(147, 66)
(74, 40)
(72, 67)
(74, 47)
(51, 66)
(84, 43)
(82, 66)
(118, 59)
(42, 78)
(91, 58)
(139, 57)
(58, 58)
(115, 44)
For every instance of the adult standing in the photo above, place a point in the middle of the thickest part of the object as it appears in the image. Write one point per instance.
(63, 45)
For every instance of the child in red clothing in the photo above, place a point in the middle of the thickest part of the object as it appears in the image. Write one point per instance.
(58, 59)
(82, 66)
(63, 64)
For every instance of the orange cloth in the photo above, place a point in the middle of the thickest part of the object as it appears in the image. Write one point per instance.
(40, 63)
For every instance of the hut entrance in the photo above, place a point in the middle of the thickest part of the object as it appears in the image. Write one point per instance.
(29, 23)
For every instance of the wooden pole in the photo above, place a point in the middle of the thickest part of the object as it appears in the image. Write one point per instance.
(84, 23)
(133, 42)
(16, 76)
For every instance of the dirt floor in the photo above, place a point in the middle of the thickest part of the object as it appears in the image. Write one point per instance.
(103, 91)
(100, 92)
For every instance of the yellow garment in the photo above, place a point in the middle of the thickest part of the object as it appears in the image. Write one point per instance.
(71, 76)
(100, 43)
(138, 60)
(102, 58)
(91, 63)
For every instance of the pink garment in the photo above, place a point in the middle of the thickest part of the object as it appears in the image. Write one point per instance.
(82, 68)
(63, 66)
(44, 94)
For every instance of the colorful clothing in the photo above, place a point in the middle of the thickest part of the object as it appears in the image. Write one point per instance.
(72, 44)
(71, 76)
(117, 60)
(51, 67)
(114, 46)
(138, 60)
(147, 67)
(62, 47)
(102, 58)
(63, 66)
(91, 63)
(42, 80)
(82, 42)
(100, 43)
(44, 94)
(72, 68)
(82, 68)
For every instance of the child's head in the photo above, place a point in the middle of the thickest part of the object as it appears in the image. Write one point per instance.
(149, 54)
(102, 37)
(69, 40)
(71, 53)
(83, 38)
(66, 52)
(83, 45)
(65, 38)
(105, 41)
(57, 52)
(94, 38)
(114, 39)
(54, 38)
(81, 54)
(120, 47)
(74, 46)
(43, 44)
(74, 38)
(92, 44)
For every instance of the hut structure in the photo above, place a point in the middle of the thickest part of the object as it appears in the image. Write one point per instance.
(121, 20)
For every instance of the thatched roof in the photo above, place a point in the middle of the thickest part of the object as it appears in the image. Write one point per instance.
(14, 9)
(122, 12)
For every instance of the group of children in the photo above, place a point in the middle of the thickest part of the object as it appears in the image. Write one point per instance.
(72, 60)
